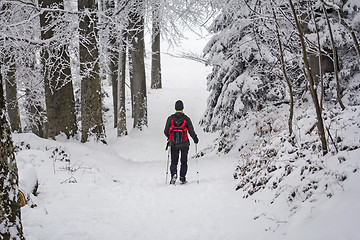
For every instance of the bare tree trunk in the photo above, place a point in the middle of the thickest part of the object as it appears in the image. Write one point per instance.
(59, 92)
(114, 62)
(285, 76)
(336, 67)
(10, 214)
(137, 56)
(114, 58)
(155, 49)
(91, 115)
(11, 97)
(121, 124)
(321, 71)
(309, 77)
(131, 77)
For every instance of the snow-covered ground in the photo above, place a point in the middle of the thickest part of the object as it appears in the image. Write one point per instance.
(118, 191)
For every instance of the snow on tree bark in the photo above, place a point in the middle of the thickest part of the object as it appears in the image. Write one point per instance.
(12, 105)
(309, 77)
(113, 55)
(121, 120)
(10, 215)
(335, 58)
(155, 49)
(59, 94)
(136, 36)
(91, 115)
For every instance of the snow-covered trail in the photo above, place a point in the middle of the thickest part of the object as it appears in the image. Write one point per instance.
(149, 207)
(143, 207)
(131, 201)
(121, 191)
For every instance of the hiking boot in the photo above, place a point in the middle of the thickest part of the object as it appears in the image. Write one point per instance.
(183, 180)
(173, 179)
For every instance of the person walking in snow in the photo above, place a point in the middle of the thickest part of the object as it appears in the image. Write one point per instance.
(177, 127)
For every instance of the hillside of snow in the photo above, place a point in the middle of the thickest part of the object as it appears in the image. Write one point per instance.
(119, 190)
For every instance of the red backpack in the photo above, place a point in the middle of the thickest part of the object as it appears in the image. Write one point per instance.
(178, 131)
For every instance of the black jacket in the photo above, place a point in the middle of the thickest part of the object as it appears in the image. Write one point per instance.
(188, 125)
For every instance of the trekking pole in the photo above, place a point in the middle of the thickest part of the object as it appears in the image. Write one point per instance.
(197, 166)
(168, 160)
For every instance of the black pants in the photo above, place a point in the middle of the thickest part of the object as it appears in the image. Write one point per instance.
(175, 159)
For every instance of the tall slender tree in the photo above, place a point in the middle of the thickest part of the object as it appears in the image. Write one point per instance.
(310, 79)
(320, 57)
(155, 48)
(131, 75)
(59, 94)
(335, 58)
(283, 67)
(113, 54)
(136, 35)
(91, 115)
(121, 120)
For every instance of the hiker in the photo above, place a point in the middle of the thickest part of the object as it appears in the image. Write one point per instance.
(176, 130)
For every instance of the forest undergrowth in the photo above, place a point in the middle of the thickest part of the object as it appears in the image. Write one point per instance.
(292, 168)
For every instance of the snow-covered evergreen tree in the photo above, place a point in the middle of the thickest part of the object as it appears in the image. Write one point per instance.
(244, 54)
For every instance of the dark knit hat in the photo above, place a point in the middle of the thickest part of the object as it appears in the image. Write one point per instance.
(179, 106)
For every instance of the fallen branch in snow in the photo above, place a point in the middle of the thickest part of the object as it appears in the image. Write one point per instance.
(71, 179)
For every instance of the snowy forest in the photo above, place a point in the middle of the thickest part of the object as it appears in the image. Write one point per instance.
(272, 90)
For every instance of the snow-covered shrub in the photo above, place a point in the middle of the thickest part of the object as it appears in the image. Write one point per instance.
(293, 168)
(59, 154)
